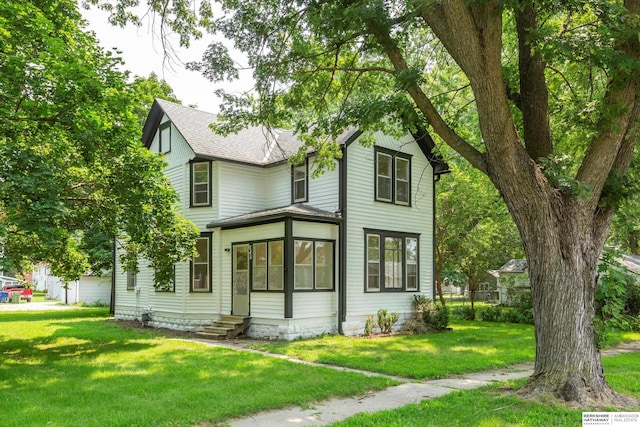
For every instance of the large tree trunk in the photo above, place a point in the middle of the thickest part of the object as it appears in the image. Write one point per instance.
(563, 246)
(563, 275)
(562, 233)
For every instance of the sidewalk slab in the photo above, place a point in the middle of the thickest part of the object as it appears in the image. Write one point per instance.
(335, 410)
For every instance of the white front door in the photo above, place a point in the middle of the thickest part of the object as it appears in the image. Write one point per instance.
(240, 280)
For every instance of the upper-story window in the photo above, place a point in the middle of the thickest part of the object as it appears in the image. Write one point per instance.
(165, 138)
(300, 183)
(393, 177)
(201, 184)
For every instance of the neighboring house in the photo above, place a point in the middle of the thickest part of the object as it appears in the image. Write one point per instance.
(295, 256)
(89, 289)
(513, 280)
(513, 277)
(488, 288)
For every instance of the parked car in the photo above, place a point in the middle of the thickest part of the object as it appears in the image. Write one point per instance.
(26, 294)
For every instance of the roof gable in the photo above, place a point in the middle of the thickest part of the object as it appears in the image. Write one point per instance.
(256, 145)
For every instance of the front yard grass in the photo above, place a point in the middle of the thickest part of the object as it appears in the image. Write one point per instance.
(496, 406)
(76, 368)
(470, 346)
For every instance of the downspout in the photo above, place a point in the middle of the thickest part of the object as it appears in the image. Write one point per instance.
(436, 178)
(342, 233)
(112, 303)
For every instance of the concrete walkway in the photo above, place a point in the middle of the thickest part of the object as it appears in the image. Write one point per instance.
(333, 410)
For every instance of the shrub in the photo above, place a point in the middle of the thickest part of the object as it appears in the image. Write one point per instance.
(369, 325)
(466, 313)
(490, 314)
(436, 317)
(386, 321)
(508, 315)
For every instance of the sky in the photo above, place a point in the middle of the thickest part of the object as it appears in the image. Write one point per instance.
(142, 53)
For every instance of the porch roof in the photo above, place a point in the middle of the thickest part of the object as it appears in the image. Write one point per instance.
(294, 211)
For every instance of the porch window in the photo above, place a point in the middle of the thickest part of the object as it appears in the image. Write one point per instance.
(267, 266)
(300, 183)
(324, 265)
(201, 184)
(314, 265)
(393, 177)
(201, 264)
(391, 261)
(276, 266)
(303, 274)
(260, 266)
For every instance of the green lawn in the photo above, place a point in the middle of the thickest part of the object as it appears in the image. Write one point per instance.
(70, 368)
(495, 406)
(470, 346)
(76, 368)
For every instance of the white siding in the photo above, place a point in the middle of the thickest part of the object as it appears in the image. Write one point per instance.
(269, 305)
(241, 190)
(278, 186)
(324, 190)
(308, 305)
(364, 212)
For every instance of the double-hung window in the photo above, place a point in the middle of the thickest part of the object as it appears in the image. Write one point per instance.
(300, 183)
(393, 176)
(201, 265)
(314, 265)
(391, 261)
(201, 184)
(268, 266)
(131, 280)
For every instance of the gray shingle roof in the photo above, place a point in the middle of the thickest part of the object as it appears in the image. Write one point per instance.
(514, 266)
(256, 145)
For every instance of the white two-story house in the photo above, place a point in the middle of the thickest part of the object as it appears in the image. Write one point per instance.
(296, 256)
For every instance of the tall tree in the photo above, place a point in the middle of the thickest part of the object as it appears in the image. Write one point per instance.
(146, 90)
(554, 86)
(474, 232)
(73, 171)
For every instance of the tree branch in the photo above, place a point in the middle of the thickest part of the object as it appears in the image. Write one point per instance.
(534, 96)
(424, 104)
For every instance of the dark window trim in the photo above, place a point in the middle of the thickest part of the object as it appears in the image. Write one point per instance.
(306, 182)
(381, 273)
(207, 235)
(161, 143)
(393, 154)
(210, 184)
(313, 269)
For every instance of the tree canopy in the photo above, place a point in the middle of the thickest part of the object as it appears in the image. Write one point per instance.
(73, 172)
(474, 231)
(553, 89)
